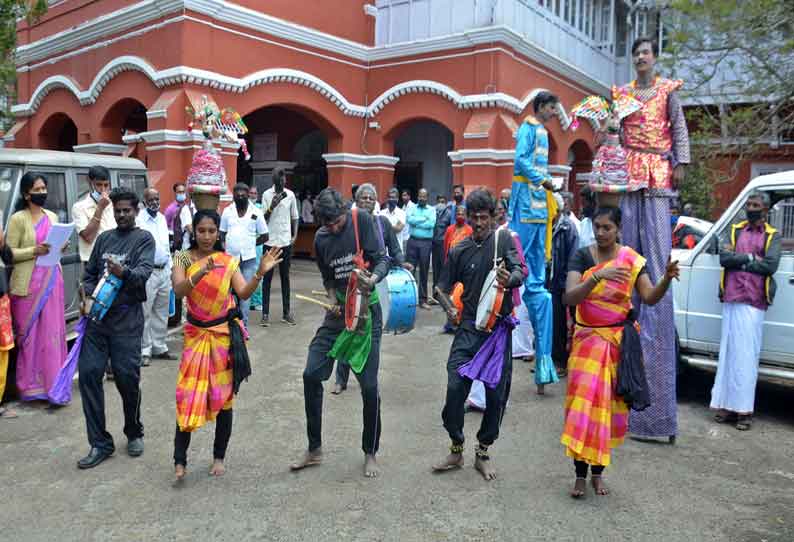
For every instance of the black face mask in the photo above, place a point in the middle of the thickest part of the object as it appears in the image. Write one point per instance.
(458, 198)
(38, 199)
(241, 202)
(392, 204)
(152, 212)
(754, 216)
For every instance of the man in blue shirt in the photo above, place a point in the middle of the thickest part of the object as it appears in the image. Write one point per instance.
(422, 220)
(531, 213)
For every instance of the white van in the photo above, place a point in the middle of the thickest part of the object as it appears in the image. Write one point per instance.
(67, 177)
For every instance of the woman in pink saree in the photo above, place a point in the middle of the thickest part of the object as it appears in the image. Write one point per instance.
(37, 293)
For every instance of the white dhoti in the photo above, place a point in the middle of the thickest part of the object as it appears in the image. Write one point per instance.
(740, 351)
(523, 338)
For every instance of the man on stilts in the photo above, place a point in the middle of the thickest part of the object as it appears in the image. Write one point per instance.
(657, 144)
(479, 262)
(531, 212)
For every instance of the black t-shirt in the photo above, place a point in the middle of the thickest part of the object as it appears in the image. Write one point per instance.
(134, 249)
(335, 252)
(470, 264)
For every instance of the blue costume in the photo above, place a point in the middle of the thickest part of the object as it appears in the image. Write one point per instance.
(529, 217)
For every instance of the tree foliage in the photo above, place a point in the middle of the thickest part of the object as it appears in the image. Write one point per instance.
(737, 59)
(11, 12)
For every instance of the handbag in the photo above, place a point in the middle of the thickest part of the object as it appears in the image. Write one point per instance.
(632, 384)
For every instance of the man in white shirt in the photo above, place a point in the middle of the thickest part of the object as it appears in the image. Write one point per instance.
(407, 207)
(93, 214)
(242, 229)
(307, 209)
(281, 213)
(395, 215)
(186, 221)
(158, 287)
(567, 210)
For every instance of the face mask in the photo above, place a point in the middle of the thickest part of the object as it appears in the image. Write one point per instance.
(241, 201)
(96, 195)
(753, 216)
(673, 221)
(422, 204)
(152, 212)
(279, 185)
(460, 220)
(38, 199)
(153, 206)
(458, 198)
(181, 198)
(392, 204)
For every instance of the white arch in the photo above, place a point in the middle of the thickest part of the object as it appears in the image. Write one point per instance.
(186, 74)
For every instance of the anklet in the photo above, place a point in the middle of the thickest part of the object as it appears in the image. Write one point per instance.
(456, 448)
(482, 453)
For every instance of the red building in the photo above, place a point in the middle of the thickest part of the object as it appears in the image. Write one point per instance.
(420, 92)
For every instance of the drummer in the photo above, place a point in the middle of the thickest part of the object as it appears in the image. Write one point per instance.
(336, 248)
(366, 198)
(470, 262)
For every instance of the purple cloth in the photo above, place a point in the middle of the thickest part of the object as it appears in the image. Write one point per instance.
(39, 327)
(646, 229)
(486, 365)
(741, 286)
(61, 391)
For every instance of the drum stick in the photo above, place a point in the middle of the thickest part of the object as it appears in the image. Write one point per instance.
(443, 300)
(315, 301)
(319, 292)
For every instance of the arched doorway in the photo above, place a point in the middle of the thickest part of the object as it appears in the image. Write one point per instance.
(58, 133)
(422, 148)
(125, 117)
(580, 158)
(288, 137)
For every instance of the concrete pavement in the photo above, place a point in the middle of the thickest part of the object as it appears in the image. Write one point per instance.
(715, 484)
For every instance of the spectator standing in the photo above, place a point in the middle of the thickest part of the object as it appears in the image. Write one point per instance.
(407, 206)
(444, 218)
(158, 286)
(567, 210)
(6, 328)
(93, 214)
(564, 244)
(172, 215)
(307, 208)
(37, 293)
(243, 228)
(749, 258)
(281, 213)
(422, 219)
(395, 215)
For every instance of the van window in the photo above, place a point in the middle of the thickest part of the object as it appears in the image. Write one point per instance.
(136, 182)
(56, 195)
(8, 179)
(83, 186)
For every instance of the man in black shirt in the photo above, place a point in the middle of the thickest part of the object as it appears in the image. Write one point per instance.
(338, 248)
(444, 217)
(128, 253)
(470, 262)
(366, 196)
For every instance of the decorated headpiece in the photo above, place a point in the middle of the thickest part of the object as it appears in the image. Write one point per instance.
(598, 108)
(218, 123)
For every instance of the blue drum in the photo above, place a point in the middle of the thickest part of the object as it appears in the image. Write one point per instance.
(398, 300)
(105, 292)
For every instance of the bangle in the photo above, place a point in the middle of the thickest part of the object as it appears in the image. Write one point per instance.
(596, 277)
(257, 276)
(190, 281)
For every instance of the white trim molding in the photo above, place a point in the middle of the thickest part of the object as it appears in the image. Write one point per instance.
(175, 136)
(101, 148)
(85, 36)
(360, 159)
(490, 155)
(559, 169)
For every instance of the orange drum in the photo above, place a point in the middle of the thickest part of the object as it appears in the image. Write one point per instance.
(491, 296)
(356, 306)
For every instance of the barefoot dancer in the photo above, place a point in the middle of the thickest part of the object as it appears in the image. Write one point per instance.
(344, 242)
(210, 372)
(470, 262)
(601, 281)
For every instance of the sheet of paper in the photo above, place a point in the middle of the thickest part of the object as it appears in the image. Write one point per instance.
(57, 237)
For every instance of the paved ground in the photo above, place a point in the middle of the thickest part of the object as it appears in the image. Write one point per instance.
(715, 484)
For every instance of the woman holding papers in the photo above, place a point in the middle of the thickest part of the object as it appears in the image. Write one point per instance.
(37, 294)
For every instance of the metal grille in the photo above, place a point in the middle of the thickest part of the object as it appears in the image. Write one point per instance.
(782, 217)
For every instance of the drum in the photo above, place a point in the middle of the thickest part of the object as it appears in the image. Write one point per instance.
(490, 304)
(491, 295)
(105, 292)
(398, 300)
(356, 306)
